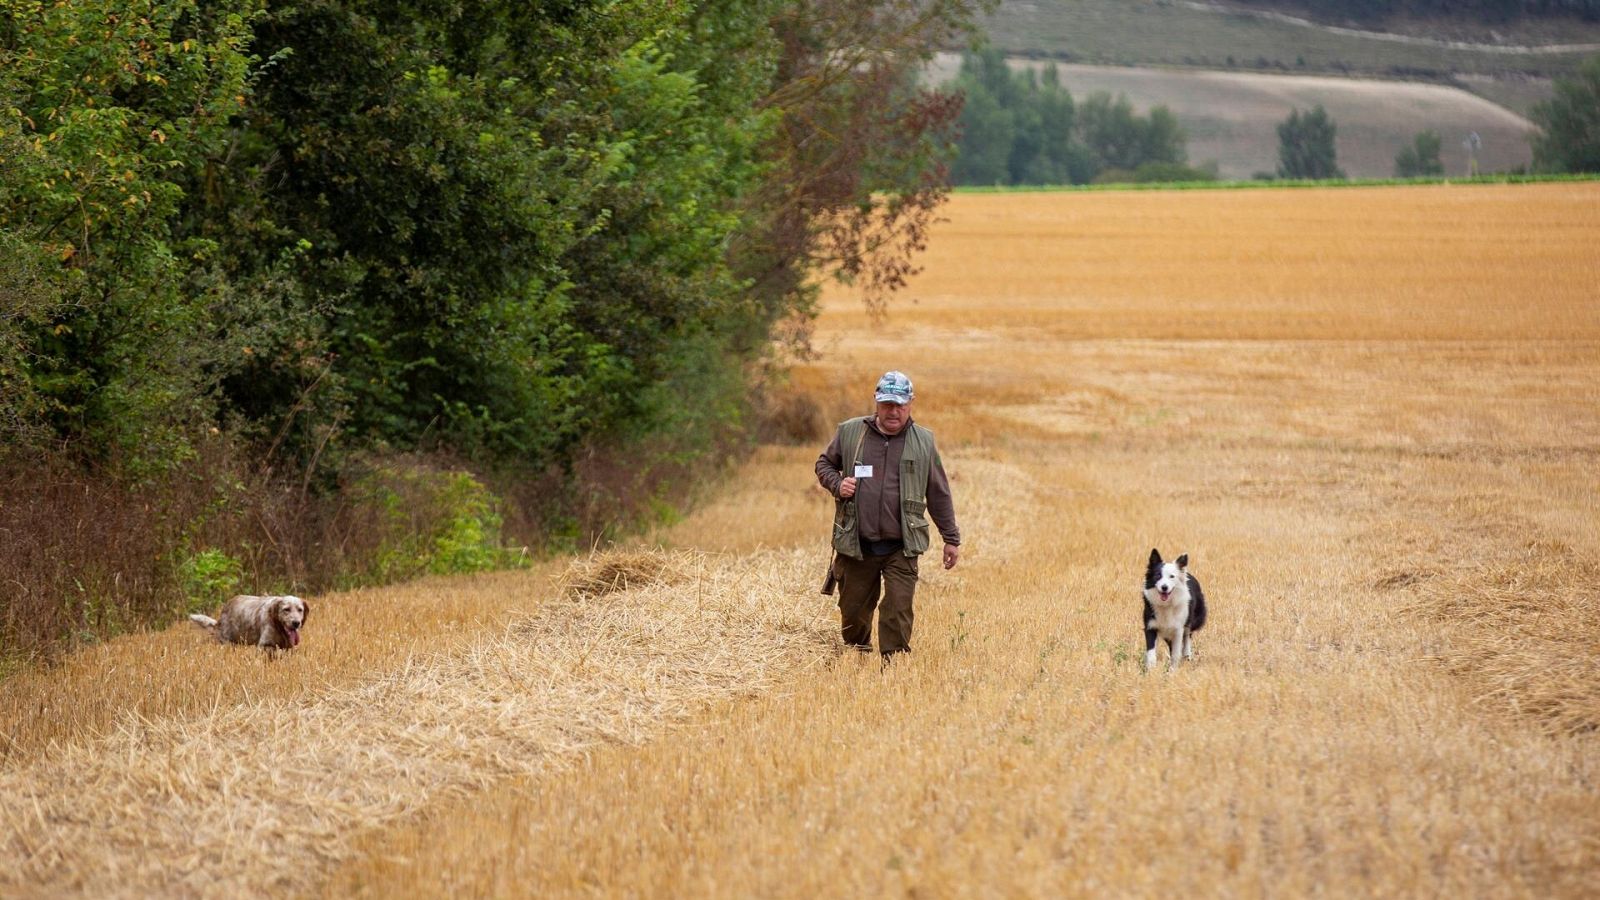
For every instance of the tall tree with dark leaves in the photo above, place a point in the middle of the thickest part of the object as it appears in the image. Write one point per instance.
(1569, 124)
(1305, 145)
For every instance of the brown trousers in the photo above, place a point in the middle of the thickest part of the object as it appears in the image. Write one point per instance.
(861, 581)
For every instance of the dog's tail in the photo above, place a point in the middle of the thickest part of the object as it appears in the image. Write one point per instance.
(205, 622)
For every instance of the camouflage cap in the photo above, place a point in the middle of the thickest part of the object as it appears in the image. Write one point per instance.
(894, 387)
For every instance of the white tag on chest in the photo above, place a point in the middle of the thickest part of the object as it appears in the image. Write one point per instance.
(863, 471)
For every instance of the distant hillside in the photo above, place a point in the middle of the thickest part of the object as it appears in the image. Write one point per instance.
(1481, 19)
(1508, 62)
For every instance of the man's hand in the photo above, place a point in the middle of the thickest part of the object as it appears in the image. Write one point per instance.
(952, 552)
(847, 489)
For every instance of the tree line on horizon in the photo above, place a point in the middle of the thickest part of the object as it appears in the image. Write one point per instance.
(1023, 127)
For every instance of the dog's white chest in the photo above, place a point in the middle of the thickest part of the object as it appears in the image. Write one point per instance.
(1169, 617)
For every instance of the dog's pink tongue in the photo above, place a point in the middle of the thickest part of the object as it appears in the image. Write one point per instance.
(294, 637)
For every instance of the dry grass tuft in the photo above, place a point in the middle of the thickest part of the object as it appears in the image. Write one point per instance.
(1521, 629)
(609, 571)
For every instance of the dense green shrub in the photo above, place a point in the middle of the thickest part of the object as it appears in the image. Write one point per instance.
(208, 577)
(343, 224)
(431, 521)
(1157, 173)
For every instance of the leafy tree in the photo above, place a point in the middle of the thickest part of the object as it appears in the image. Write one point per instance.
(1305, 145)
(1569, 124)
(423, 169)
(107, 113)
(857, 167)
(987, 134)
(1064, 161)
(1117, 138)
(495, 226)
(1420, 158)
(1025, 128)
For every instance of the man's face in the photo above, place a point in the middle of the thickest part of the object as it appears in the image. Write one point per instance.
(893, 416)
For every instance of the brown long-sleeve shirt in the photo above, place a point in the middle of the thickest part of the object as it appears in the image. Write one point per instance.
(878, 498)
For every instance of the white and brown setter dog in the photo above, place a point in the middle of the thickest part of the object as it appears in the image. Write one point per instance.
(272, 622)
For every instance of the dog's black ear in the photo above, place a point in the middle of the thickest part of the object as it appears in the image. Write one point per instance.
(1155, 557)
(1183, 561)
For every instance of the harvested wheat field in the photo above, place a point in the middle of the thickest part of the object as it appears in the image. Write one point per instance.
(1367, 415)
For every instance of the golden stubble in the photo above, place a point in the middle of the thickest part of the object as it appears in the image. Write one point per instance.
(350, 636)
(1355, 409)
(260, 796)
(1366, 414)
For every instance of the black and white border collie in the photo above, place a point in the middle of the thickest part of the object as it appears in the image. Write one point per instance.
(1174, 609)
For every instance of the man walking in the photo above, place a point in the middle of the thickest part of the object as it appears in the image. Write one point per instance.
(887, 480)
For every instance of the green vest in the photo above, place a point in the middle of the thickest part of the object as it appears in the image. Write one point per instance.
(916, 461)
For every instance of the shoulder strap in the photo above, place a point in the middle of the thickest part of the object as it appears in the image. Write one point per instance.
(858, 427)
